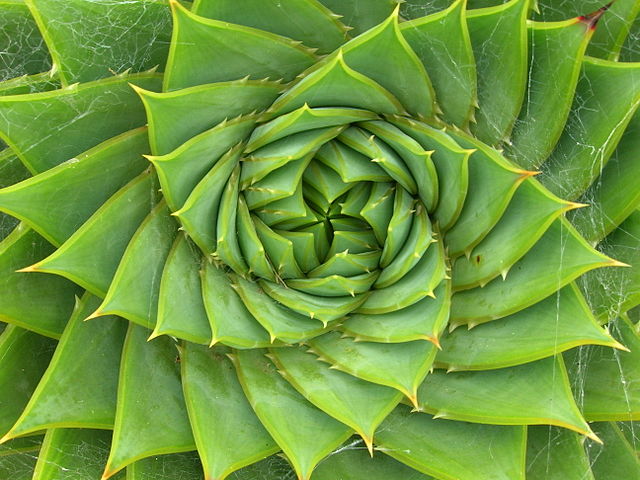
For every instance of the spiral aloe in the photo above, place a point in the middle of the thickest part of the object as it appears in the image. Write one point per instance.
(319, 239)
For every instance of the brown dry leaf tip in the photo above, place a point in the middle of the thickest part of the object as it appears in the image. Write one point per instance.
(591, 20)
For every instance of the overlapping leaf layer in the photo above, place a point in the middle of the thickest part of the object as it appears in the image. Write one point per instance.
(319, 239)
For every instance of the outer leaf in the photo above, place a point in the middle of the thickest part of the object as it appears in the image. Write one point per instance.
(205, 51)
(218, 411)
(134, 292)
(150, 421)
(557, 323)
(402, 366)
(607, 379)
(262, 384)
(111, 227)
(91, 40)
(451, 450)
(304, 20)
(442, 42)
(361, 15)
(79, 388)
(530, 394)
(616, 458)
(25, 356)
(34, 301)
(58, 133)
(357, 403)
(80, 185)
(556, 54)
(499, 41)
(607, 96)
(72, 453)
(555, 453)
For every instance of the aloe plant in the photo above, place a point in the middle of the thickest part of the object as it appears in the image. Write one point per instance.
(319, 239)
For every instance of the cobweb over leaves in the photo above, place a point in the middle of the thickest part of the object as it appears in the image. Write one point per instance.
(92, 40)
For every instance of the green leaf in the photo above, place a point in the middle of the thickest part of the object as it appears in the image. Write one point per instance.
(614, 291)
(499, 40)
(451, 163)
(199, 214)
(607, 379)
(165, 467)
(396, 67)
(357, 403)
(417, 284)
(111, 227)
(424, 320)
(530, 213)
(612, 198)
(134, 291)
(303, 119)
(231, 323)
(530, 394)
(80, 185)
(558, 258)
(22, 50)
(78, 390)
(612, 29)
(492, 182)
(44, 129)
(181, 311)
(335, 84)
(303, 20)
(276, 404)
(281, 322)
(556, 454)
(91, 40)
(175, 117)
(452, 450)
(417, 160)
(402, 366)
(354, 463)
(24, 357)
(72, 453)
(149, 421)
(607, 96)
(361, 15)
(35, 301)
(181, 170)
(414, 248)
(616, 457)
(557, 323)
(228, 249)
(442, 42)
(206, 51)
(325, 309)
(556, 52)
(334, 285)
(218, 411)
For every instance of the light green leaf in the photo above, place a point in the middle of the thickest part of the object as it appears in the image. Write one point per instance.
(218, 411)
(452, 450)
(531, 394)
(206, 51)
(442, 42)
(556, 454)
(357, 403)
(286, 415)
(134, 291)
(111, 227)
(78, 389)
(149, 421)
(303, 20)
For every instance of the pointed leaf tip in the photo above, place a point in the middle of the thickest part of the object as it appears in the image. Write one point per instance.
(592, 19)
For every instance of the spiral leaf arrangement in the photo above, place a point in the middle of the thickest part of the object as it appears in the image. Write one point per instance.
(323, 220)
